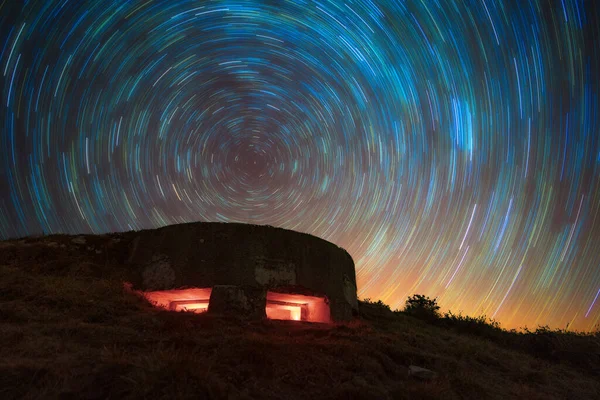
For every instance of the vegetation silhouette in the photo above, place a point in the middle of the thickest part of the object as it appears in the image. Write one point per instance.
(581, 349)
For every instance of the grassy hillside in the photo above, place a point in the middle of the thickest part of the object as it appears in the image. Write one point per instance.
(69, 329)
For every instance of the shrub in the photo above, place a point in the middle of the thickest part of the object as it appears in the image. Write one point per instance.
(374, 310)
(422, 307)
(481, 326)
(378, 305)
(465, 320)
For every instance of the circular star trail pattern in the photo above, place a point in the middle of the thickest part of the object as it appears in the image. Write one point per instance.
(452, 147)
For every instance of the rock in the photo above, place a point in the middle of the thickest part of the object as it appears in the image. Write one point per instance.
(421, 373)
(360, 382)
(81, 269)
(238, 301)
(78, 240)
(158, 275)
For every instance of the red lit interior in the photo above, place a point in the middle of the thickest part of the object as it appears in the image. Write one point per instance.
(193, 300)
(281, 306)
(297, 307)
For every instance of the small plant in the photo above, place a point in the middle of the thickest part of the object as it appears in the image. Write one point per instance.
(481, 326)
(377, 303)
(422, 307)
(370, 309)
(467, 321)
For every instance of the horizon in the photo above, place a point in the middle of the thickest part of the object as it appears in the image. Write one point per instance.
(452, 150)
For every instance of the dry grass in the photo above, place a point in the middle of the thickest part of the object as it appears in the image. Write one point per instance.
(70, 330)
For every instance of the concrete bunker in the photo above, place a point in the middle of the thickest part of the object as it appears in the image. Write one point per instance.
(248, 270)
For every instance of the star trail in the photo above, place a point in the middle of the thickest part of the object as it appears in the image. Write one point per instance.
(453, 148)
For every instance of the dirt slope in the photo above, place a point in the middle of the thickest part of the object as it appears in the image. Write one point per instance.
(69, 329)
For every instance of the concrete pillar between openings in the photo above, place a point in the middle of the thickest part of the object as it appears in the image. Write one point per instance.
(240, 301)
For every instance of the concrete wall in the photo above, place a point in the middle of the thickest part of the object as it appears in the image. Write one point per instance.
(209, 254)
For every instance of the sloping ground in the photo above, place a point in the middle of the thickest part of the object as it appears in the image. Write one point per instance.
(69, 329)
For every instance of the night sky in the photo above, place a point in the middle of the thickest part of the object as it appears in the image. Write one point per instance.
(452, 147)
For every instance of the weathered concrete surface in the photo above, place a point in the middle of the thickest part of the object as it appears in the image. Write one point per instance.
(158, 275)
(240, 301)
(209, 254)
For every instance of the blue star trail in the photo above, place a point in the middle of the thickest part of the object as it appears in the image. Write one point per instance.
(453, 148)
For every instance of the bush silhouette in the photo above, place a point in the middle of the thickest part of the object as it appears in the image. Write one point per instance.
(374, 310)
(422, 307)
(379, 304)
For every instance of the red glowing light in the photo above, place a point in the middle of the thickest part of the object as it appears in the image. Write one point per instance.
(284, 311)
(282, 306)
(194, 300)
(297, 307)
(197, 306)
